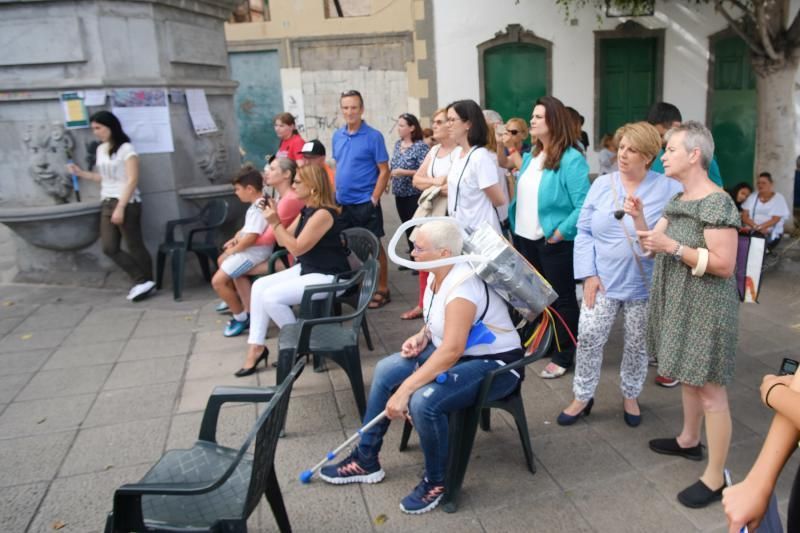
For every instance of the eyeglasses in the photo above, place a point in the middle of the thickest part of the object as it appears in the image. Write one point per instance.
(418, 250)
(451, 120)
(439, 122)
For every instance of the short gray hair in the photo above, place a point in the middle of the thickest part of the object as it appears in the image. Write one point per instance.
(444, 234)
(492, 116)
(697, 137)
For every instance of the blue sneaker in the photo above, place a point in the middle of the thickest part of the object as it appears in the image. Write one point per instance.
(353, 469)
(222, 308)
(236, 327)
(425, 497)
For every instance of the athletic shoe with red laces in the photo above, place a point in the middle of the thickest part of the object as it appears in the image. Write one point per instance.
(353, 469)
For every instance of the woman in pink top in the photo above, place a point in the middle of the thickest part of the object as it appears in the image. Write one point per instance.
(291, 142)
(278, 175)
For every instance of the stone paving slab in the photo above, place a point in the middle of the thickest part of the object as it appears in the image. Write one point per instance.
(145, 372)
(33, 417)
(136, 403)
(102, 448)
(167, 345)
(65, 382)
(78, 355)
(18, 504)
(28, 459)
(22, 362)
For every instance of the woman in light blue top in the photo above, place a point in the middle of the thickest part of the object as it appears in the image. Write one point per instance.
(552, 183)
(616, 274)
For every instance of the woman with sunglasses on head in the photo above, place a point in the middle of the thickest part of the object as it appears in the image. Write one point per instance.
(474, 190)
(409, 153)
(314, 240)
(553, 182)
(615, 273)
(433, 173)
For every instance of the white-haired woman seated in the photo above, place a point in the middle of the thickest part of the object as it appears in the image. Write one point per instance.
(455, 299)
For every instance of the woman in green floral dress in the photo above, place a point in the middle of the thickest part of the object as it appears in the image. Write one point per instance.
(693, 309)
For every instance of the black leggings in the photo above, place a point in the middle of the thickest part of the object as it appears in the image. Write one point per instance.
(793, 511)
(406, 207)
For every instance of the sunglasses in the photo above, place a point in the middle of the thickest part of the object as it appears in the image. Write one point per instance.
(513, 132)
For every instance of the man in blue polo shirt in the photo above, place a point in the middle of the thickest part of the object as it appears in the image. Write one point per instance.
(362, 172)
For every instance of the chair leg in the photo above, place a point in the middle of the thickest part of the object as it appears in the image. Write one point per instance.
(178, 264)
(486, 419)
(524, 436)
(161, 259)
(461, 435)
(204, 260)
(365, 329)
(275, 499)
(407, 428)
(286, 359)
(352, 368)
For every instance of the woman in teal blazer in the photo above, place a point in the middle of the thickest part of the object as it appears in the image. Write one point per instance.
(552, 184)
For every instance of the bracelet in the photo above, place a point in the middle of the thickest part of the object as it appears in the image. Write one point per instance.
(702, 262)
(766, 396)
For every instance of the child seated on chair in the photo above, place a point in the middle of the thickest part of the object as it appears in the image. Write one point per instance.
(242, 252)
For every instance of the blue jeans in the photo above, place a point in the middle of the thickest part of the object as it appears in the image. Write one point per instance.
(430, 404)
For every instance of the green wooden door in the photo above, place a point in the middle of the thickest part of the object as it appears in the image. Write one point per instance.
(627, 81)
(734, 112)
(515, 76)
(258, 98)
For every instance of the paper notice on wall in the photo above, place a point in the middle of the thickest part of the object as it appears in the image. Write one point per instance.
(201, 117)
(75, 115)
(144, 114)
(95, 98)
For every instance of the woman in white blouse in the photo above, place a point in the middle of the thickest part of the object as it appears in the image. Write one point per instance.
(117, 170)
(474, 191)
(765, 211)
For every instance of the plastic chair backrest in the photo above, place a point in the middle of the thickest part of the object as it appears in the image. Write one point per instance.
(362, 242)
(366, 292)
(214, 214)
(267, 429)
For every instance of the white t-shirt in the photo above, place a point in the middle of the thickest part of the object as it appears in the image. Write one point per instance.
(502, 211)
(439, 167)
(461, 282)
(254, 222)
(527, 223)
(466, 201)
(112, 169)
(761, 212)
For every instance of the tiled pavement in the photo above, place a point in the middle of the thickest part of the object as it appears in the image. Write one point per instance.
(93, 390)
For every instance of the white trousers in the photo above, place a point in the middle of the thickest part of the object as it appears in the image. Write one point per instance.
(273, 296)
(594, 326)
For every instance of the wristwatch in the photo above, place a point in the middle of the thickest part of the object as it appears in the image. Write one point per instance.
(678, 253)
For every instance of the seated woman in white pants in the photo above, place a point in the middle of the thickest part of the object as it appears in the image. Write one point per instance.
(616, 275)
(314, 240)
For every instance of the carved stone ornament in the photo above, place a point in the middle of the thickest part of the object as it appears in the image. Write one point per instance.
(47, 146)
(211, 154)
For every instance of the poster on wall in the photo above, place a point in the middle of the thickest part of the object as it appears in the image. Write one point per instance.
(201, 117)
(75, 114)
(144, 114)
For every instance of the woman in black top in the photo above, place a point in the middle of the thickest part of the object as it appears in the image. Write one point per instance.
(314, 240)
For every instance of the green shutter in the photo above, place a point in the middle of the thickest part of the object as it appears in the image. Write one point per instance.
(515, 76)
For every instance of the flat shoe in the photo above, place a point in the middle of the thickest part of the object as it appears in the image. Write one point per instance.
(379, 299)
(671, 447)
(699, 495)
(412, 314)
(552, 374)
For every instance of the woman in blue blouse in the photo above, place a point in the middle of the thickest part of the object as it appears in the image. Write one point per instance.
(552, 183)
(409, 153)
(616, 274)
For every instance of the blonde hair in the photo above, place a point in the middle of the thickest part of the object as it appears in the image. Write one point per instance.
(320, 192)
(520, 124)
(644, 138)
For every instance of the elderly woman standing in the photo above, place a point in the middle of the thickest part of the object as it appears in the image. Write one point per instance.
(614, 273)
(693, 310)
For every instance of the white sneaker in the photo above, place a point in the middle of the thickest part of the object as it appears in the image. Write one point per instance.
(140, 291)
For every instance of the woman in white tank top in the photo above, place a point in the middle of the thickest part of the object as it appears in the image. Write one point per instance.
(433, 172)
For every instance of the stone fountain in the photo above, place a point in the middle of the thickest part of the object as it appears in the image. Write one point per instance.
(102, 45)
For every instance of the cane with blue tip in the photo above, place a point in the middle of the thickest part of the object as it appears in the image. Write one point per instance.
(306, 475)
